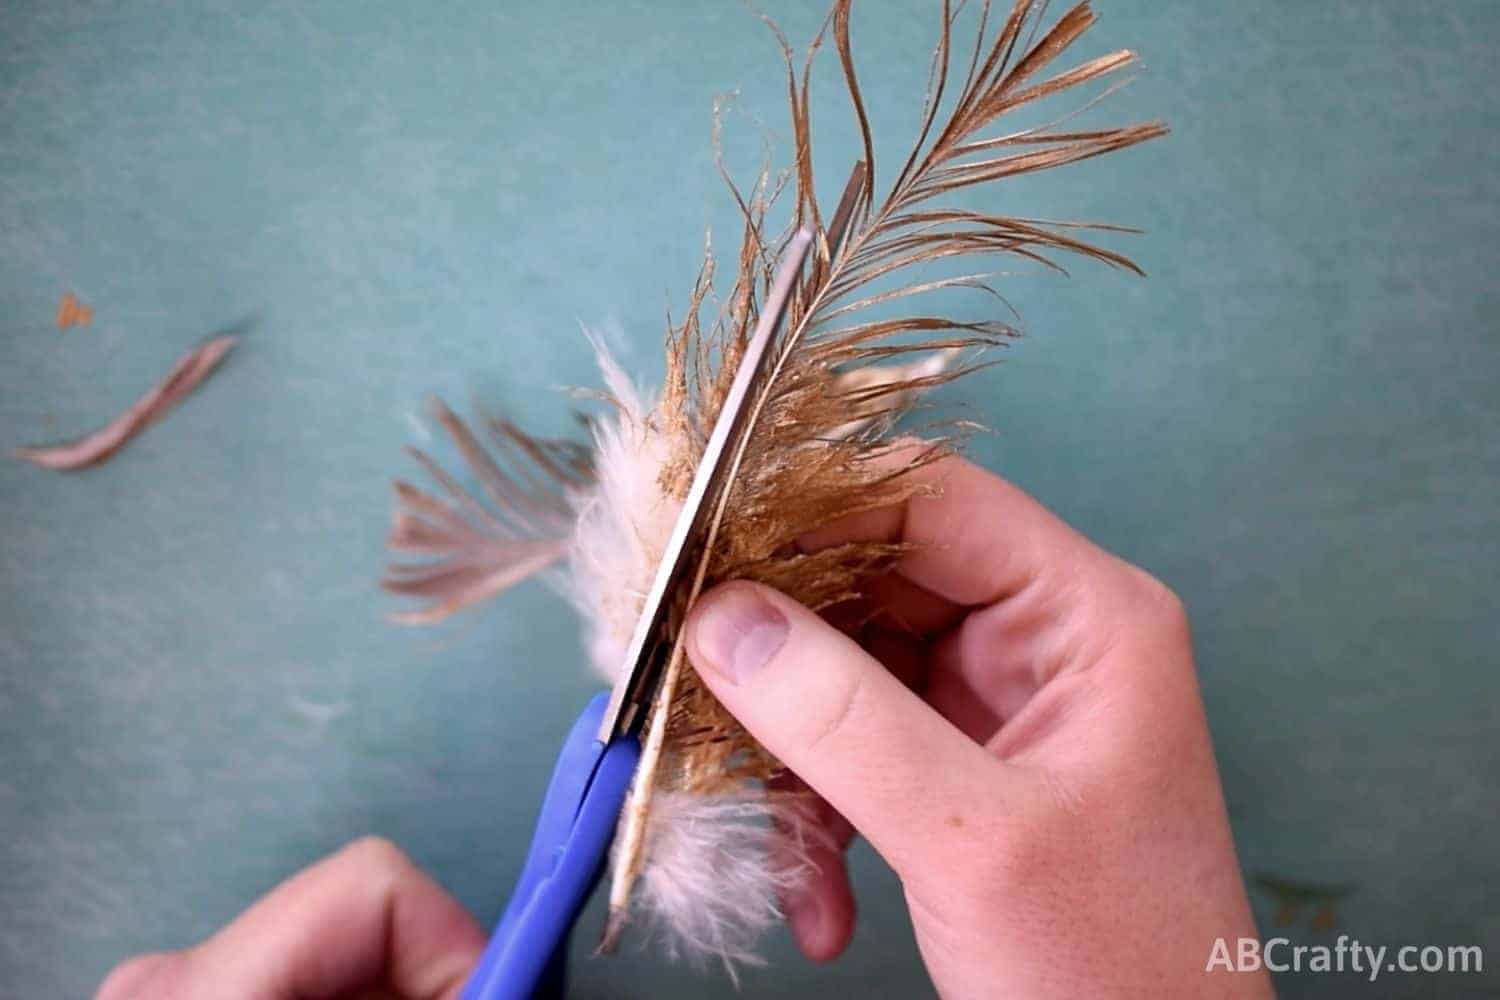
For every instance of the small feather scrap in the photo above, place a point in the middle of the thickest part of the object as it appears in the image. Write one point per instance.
(71, 312)
(191, 369)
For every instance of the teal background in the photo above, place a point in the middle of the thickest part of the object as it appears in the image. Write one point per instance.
(1292, 420)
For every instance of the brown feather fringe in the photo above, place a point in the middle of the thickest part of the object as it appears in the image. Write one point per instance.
(797, 473)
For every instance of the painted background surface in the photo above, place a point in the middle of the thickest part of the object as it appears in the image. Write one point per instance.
(1293, 421)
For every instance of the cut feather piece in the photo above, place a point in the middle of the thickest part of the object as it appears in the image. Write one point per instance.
(190, 369)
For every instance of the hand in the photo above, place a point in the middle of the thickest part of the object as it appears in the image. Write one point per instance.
(1017, 731)
(362, 923)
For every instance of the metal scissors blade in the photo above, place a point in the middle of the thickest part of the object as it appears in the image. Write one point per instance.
(648, 649)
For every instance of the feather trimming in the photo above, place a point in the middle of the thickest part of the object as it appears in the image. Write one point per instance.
(701, 851)
(185, 375)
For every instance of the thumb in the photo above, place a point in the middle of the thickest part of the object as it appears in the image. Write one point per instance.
(913, 785)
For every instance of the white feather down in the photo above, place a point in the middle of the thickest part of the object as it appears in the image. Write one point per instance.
(623, 521)
(709, 883)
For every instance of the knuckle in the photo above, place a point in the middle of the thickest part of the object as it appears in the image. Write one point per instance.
(1173, 611)
(1163, 607)
(141, 976)
(376, 854)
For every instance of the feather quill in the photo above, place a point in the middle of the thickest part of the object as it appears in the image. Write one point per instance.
(704, 848)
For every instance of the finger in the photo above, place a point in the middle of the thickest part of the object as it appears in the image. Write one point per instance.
(906, 779)
(141, 976)
(1017, 595)
(897, 603)
(820, 907)
(364, 918)
(976, 538)
(812, 837)
(820, 910)
(974, 705)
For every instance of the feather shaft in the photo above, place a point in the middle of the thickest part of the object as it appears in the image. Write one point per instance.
(637, 812)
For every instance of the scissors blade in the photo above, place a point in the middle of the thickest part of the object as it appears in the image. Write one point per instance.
(645, 658)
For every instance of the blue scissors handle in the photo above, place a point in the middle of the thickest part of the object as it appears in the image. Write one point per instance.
(526, 954)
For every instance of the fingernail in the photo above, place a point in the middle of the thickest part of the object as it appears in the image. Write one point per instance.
(737, 631)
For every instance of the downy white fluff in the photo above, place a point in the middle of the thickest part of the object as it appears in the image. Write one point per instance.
(623, 520)
(710, 882)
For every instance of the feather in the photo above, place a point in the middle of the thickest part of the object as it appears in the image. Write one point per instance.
(705, 847)
(477, 549)
(190, 369)
(711, 885)
(622, 520)
(813, 454)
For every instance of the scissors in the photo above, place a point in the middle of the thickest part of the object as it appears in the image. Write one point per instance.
(527, 954)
